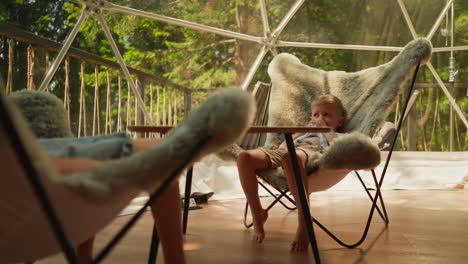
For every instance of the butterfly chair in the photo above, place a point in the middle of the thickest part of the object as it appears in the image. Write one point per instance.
(367, 96)
(383, 139)
(44, 213)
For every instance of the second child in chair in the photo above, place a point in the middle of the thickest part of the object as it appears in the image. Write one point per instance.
(327, 110)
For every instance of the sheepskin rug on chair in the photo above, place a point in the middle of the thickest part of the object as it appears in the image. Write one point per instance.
(44, 112)
(367, 97)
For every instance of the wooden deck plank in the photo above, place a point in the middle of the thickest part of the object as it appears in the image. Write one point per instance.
(426, 226)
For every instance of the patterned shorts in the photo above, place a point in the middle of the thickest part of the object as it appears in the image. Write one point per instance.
(310, 146)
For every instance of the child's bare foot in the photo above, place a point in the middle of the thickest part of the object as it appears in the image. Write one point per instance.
(301, 241)
(258, 223)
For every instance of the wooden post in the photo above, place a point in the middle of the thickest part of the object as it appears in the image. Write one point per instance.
(129, 106)
(164, 113)
(9, 85)
(108, 127)
(31, 67)
(158, 106)
(96, 112)
(119, 106)
(187, 101)
(82, 115)
(175, 108)
(140, 116)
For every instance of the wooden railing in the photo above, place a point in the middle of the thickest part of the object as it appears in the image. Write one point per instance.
(171, 108)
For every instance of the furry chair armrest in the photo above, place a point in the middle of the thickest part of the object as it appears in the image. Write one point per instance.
(353, 151)
(349, 152)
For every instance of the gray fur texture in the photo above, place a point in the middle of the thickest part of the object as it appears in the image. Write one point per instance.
(367, 95)
(349, 152)
(44, 112)
(353, 151)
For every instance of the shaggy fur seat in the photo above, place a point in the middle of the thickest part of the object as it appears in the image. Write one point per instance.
(367, 97)
(44, 112)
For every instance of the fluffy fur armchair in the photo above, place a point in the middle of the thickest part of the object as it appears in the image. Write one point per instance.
(367, 96)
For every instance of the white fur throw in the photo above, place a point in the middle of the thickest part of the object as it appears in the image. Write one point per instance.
(367, 95)
(45, 113)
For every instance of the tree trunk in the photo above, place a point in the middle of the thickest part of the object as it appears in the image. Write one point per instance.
(244, 54)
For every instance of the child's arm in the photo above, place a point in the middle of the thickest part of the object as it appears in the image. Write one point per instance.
(294, 136)
(330, 136)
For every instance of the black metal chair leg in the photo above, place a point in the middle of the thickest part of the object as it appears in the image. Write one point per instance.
(153, 255)
(246, 211)
(379, 192)
(366, 229)
(302, 196)
(188, 189)
(370, 197)
(278, 197)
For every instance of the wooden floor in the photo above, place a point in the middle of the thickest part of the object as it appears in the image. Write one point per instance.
(426, 226)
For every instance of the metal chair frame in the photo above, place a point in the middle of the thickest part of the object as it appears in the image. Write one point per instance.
(284, 194)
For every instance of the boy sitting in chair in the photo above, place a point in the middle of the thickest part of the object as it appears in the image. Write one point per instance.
(327, 110)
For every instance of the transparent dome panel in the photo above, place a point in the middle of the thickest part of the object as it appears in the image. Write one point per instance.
(369, 22)
(237, 16)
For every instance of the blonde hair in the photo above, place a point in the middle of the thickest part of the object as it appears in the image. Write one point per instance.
(329, 100)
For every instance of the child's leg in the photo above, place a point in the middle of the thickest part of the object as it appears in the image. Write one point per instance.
(301, 240)
(84, 251)
(166, 212)
(247, 163)
(167, 216)
(142, 144)
(166, 209)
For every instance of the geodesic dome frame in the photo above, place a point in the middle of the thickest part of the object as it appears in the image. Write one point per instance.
(269, 41)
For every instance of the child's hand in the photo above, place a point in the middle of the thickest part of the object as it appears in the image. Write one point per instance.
(318, 122)
(274, 147)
